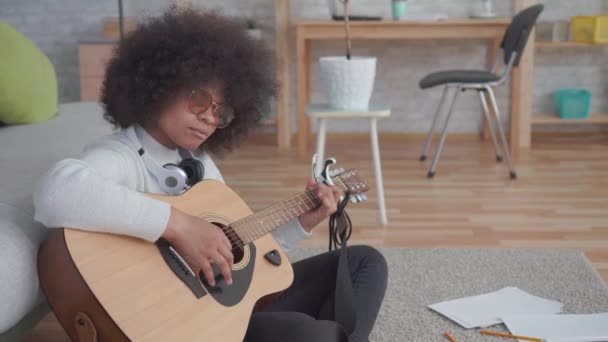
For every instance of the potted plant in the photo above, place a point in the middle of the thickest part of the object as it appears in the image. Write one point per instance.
(348, 80)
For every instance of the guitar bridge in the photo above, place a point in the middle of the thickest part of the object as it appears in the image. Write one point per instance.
(180, 268)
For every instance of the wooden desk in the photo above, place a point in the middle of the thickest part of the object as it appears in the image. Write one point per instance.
(307, 31)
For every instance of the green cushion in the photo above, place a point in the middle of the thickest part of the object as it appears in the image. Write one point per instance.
(28, 84)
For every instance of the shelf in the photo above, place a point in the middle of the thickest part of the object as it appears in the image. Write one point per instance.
(268, 122)
(568, 44)
(549, 119)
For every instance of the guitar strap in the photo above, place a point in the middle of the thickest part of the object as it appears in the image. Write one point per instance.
(340, 229)
(338, 309)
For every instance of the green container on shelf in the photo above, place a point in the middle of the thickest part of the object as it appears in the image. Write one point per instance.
(572, 103)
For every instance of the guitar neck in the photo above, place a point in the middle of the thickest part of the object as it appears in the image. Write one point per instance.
(265, 221)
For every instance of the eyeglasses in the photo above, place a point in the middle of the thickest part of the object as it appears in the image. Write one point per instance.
(200, 100)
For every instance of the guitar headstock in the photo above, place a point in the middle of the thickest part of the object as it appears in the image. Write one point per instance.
(349, 179)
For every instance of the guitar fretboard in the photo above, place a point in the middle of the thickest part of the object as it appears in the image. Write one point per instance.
(265, 221)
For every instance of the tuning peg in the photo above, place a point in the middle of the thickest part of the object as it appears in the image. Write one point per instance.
(358, 198)
(335, 172)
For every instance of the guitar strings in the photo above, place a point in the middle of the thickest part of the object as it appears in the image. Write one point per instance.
(274, 209)
(270, 211)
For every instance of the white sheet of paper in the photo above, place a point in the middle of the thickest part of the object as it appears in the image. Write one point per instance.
(487, 309)
(560, 328)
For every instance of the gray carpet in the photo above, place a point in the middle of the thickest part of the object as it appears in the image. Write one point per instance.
(419, 277)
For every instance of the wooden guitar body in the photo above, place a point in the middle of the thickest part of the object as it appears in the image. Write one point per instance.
(129, 289)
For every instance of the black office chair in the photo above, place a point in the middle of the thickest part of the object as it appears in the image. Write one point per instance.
(512, 47)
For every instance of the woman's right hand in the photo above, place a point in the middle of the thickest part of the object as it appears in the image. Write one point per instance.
(200, 243)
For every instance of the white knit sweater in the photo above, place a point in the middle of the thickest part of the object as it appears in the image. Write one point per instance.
(102, 190)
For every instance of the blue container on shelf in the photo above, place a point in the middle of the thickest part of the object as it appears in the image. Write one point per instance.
(572, 103)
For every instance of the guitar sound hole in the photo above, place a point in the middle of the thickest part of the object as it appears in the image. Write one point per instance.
(237, 251)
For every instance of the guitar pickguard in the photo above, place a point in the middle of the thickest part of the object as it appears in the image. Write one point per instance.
(229, 295)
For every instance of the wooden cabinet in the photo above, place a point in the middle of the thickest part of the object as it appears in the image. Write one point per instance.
(93, 57)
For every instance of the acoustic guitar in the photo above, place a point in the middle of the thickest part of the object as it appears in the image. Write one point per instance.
(111, 287)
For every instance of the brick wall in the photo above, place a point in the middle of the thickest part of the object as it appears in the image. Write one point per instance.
(57, 26)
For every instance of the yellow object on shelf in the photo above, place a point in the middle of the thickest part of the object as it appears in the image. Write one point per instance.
(590, 29)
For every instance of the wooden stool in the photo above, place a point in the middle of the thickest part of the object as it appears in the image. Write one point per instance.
(323, 113)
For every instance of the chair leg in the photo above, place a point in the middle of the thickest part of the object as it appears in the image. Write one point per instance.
(486, 113)
(373, 130)
(505, 146)
(431, 173)
(429, 139)
(321, 146)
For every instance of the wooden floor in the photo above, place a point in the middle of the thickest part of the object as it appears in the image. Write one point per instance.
(559, 201)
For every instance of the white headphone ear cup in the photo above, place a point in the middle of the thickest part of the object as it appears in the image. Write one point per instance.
(173, 179)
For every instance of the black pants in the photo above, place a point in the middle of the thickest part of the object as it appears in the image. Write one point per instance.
(312, 290)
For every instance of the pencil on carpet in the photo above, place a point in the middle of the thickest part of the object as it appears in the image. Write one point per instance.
(449, 336)
(525, 338)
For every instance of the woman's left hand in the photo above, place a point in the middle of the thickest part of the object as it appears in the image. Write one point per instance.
(329, 196)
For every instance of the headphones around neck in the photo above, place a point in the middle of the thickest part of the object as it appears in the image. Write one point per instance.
(173, 179)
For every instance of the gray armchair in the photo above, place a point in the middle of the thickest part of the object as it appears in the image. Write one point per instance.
(26, 153)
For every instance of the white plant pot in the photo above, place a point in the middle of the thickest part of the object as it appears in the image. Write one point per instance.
(348, 83)
(255, 33)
